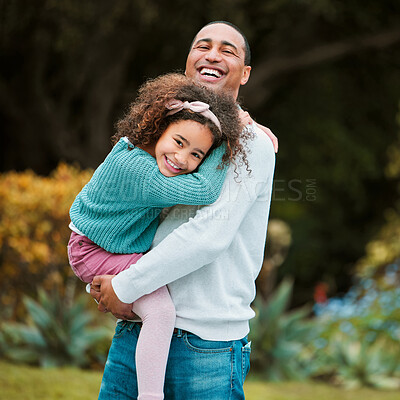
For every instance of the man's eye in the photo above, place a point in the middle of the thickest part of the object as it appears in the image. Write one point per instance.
(227, 51)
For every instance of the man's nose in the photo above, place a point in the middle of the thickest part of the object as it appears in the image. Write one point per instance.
(213, 55)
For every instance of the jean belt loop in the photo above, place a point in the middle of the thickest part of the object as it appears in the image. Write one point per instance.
(128, 325)
(179, 332)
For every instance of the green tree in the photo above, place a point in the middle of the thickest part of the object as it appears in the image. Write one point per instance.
(325, 80)
(382, 254)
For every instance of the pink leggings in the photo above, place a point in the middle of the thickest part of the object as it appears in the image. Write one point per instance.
(156, 311)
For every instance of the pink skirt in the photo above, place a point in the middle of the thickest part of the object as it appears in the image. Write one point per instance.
(87, 259)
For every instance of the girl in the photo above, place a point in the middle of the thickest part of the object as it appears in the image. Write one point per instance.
(171, 148)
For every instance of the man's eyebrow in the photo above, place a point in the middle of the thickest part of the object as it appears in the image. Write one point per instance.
(224, 42)
(203, 40)
(188, 143)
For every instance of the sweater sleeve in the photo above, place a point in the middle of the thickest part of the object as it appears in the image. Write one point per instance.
(198, 188)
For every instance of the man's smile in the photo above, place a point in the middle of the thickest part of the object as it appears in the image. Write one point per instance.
(210, 72)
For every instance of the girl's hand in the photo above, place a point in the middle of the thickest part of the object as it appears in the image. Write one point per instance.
(245, 117)
(247, 120)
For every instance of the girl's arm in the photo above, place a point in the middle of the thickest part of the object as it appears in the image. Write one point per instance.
(198, 188)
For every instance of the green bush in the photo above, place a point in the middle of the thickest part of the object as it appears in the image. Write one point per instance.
(352, 341)
(280, 339)
(357, 362)
(57, 333)
(359, 340)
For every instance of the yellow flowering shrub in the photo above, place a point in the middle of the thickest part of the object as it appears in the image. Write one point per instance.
(34, 231)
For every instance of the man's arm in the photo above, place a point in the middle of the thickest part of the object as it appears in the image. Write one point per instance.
(203, 238)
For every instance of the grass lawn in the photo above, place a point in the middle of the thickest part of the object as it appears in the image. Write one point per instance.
(26, 383)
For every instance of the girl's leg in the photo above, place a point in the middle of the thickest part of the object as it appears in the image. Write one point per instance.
(156, 310)
(157, 313)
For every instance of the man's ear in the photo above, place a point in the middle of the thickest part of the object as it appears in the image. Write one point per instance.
(246, 74)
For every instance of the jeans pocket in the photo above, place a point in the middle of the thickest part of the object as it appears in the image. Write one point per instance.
(199, 345)
(246, 351)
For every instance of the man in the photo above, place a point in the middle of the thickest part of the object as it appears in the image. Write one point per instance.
(208, 256)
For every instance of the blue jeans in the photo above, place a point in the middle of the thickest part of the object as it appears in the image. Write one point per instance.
(197, 369)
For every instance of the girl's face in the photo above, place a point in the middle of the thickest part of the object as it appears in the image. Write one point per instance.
(182, 147)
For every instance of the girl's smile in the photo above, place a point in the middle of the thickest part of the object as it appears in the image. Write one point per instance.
(175, 168)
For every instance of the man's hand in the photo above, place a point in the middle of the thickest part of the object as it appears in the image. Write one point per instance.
(102, 291)
(247, 120)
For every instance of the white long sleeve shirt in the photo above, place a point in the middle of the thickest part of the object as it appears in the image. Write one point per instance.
(210, 256)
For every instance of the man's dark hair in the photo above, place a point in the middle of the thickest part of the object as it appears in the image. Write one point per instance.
(247, 53)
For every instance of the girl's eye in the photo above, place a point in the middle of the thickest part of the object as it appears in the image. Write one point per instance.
(196, 155)
(178, 142)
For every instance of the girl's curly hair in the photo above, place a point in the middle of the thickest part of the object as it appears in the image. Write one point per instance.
(146, 119)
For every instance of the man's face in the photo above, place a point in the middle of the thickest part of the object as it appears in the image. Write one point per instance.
(216, 59)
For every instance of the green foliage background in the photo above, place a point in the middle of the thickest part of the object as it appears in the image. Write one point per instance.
(325, 80)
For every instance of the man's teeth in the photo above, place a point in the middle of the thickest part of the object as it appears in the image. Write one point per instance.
(212, 72)
(172, 164)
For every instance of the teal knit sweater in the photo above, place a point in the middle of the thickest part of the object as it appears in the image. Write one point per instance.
(119, 207)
